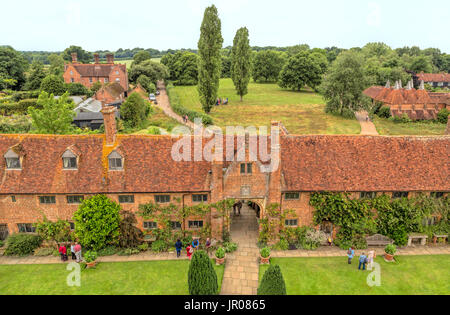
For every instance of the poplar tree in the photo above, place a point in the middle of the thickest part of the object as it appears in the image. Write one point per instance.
(241, 62)
(209, 66)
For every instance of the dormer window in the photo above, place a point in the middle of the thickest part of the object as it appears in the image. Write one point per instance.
(115, 161)
(69, 160)
(12, 160)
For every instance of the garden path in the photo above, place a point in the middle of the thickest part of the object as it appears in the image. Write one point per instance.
(242, 267)
(367, 127)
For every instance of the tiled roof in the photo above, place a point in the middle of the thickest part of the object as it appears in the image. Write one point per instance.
(309, 163)
(96, 70)
(364, 163)
(434, 77)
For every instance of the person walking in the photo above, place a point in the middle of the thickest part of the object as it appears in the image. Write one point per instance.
(189, 251)
(178, 247)
(350, 255)
(195, 243)
(362, 261)
(208, 244)
(77, 249)
(72, 251)
(370, 257)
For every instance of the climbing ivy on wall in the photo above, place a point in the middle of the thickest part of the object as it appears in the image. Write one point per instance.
(395, 218)
(273, 223)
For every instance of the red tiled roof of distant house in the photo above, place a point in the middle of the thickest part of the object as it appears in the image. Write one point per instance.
(434, 77)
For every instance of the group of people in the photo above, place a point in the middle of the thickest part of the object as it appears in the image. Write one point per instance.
(191, 248)
(75, 250)
(363, 259)
(185, 119)
(221, 101)
(237, 206)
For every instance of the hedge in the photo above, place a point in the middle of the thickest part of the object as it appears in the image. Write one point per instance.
(22, 244)
(182, 111)
(20, 107)
(272, 282)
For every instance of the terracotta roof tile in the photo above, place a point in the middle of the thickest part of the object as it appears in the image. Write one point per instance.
(434, 77)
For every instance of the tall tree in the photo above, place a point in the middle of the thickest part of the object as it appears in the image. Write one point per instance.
(37, 74)
(209, 67)
(83, 56)
(56, 115)
(134, 110)
(141, 56)
(56, 64)
(267, 65)
(241, 62)
(12, 67)
(300, 70)
(344, 83)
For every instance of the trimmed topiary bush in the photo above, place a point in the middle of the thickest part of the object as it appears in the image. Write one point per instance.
(202, 277)
(272, 282)
(22, 244)
(442, 116)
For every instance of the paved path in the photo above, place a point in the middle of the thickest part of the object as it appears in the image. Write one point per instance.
(367, 127)
(164, 104)
(242, 267)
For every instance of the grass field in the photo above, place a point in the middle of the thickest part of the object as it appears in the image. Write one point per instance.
(387, 127)
(161, 120)
(409, 275)
(300, 112)
(128, 62)
(142, 278)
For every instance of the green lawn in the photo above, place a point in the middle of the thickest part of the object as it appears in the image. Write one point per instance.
(128, 62)
(161, 120)
(388, 127)
(410, 275)
(300, 112)
(142, 278)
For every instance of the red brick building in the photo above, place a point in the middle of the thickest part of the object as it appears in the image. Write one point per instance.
(88, 74)
(49, 174)
(417, 104)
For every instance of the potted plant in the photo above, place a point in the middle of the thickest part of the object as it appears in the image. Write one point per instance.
(89, 258)
(390, 251)
(220, 256)
(265, 255)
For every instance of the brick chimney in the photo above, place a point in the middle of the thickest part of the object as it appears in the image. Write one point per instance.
(447, 132)
(74, 57)
(96, 58)
(109, 121)
(110, 58)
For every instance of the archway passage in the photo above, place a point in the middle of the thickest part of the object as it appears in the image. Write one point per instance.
(242, 267)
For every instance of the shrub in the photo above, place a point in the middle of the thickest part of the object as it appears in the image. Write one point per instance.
(390, 249)
(159, 246)
(313, 239)
(384, 112)
(404, 119)
(43, 252)
(272, 282)
(129, 252)
(90, 256)
(22, 244)
(57, 232)
(202, 277)
(97, 222)
(220, 253)
(230, 247)
(53, 84)
(283, 244)
(107, 251)
(130, 235)
(143, 247)
(1, 243)
(265, 252)
(154, 130)
(442, 116)
(14, 124)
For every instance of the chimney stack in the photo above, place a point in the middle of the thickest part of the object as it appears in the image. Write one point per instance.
(74, 57)
(110, 58)
(109, 121)
(96, 58)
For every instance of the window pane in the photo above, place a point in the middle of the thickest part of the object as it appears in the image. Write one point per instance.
(126, 199)
(292, 196)
(13, 163)
(242, 168)
(249, 168)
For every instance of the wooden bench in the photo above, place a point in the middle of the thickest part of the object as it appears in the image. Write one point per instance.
(422, 237)
(378, 240)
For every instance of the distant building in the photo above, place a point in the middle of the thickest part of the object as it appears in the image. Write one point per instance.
(417, 104)
(88, 74)
(440, 80)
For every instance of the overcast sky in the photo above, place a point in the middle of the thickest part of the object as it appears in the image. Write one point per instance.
(53, 25)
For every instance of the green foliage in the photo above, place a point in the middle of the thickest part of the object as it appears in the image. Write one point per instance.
(344, 83)
(43, 251)
(153, 70)
(12, 68)
(160, 246)
(141, 56)
(226, 67)
(300, 70)
(143, 247)
(58, 231)
(97, 222)
(209, 68)
(22, 244)
(442, 116)
(182, 111)
(56, 115)
(152, 130)
(384, 112)
(90, 256)
(134, 111)
(146, 83)
(183, 67)
(130, 235)
(108, 251)
(241, 61)
(265, 252)
(272, 282)
(53, 84)
(37, 74)
(230, 247)
(202, 277)
(267, 65)
(129, 251)
(14, 124)
(83, 56)
(403, 119)
(77, 89)
(283, 244)
(390, 249)
(96, 86)
(56, 64)
(220, 253)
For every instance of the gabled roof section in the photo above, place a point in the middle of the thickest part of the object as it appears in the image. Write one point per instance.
(434, 77)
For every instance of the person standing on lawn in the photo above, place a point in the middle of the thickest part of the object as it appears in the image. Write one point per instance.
(370, 259)
(77, 249)
(362, 261)
(63, 252)
(72, 251)
(350, 254)
(178, 247)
